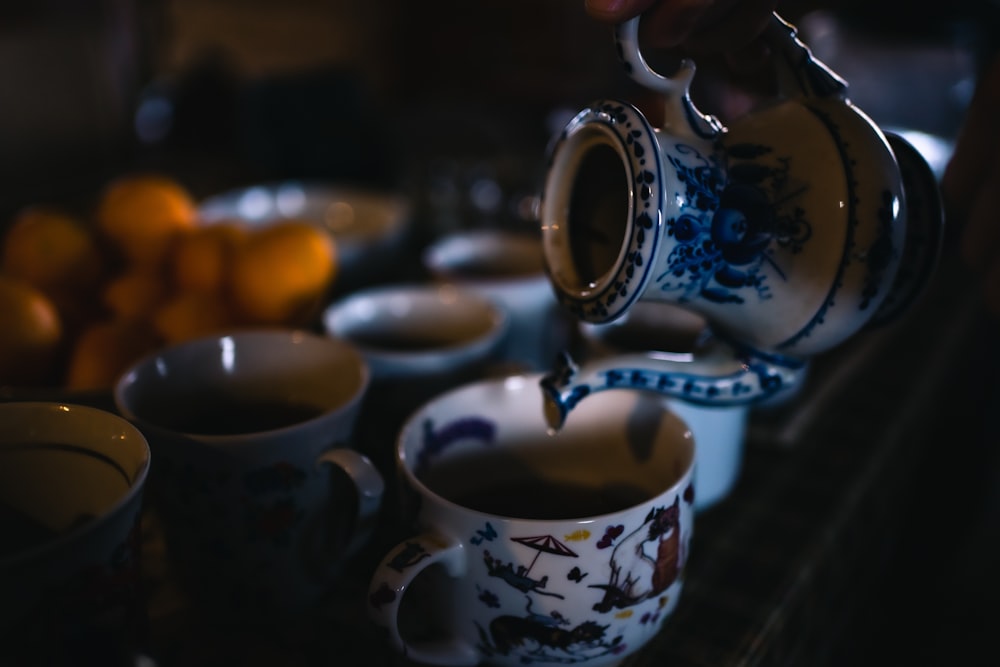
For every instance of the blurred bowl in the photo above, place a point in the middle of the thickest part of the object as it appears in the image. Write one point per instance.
(418, 330)
(369, 226)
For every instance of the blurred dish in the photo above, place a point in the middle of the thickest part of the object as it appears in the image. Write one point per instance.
(368, 226)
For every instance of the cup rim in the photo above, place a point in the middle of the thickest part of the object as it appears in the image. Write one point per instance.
(435, 256)
(238, 439)
(135, 487)
(412, 422)
(497, 328)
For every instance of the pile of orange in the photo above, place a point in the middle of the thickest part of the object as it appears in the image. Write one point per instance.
(81, 298)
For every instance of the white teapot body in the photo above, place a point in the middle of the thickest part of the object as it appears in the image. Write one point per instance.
(788, 231)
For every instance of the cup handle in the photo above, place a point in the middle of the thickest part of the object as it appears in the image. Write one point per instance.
(393, 576)
(369, 487)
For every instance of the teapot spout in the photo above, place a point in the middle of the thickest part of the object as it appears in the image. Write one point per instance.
(721, 376)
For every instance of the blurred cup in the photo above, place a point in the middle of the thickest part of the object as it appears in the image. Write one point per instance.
(536, 547)
(419, 340)
(260, 496)
(508, 267)
(72, 480)
(719, 431)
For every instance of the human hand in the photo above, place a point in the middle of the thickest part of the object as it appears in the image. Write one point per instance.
(970, 186)
(730, 27)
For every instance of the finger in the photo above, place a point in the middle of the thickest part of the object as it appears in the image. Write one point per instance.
(616, 11)
(730, 26)
(671, 23)
(749, 59)
(980, 239)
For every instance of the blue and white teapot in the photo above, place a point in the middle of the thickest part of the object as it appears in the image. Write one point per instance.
(796, 227)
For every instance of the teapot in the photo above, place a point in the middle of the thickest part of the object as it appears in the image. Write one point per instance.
(793, 229)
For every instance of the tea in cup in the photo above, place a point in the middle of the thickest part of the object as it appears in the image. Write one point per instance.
(530, 545)
(259, 493)
(72, 480)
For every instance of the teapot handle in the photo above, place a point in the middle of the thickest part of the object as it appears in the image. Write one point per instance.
(799, 73)
(681, 117)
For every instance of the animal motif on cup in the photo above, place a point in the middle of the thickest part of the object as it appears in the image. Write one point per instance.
(641, 567)
(272, 522)
(436, 440)
(549, 641)
(279, 477)
(488, 534)
(646, 562)
(272, 519)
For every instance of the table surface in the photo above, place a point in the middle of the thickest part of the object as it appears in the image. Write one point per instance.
(787, 570)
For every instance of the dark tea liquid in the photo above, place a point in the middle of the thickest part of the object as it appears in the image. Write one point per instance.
(217, 415)
(401, 341)
(547, 500)
(501, 485)
(494, 267)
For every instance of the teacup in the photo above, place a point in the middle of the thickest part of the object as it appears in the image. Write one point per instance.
(260, 496)
(508, 267)
(536, 546)
(419, 340)
(72, 480)
(406, 331)
(719, 430)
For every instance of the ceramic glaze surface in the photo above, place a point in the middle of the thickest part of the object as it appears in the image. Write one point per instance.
(788, 231)
(80, 473)
(409, 331)
(586, 589)
(253, 517)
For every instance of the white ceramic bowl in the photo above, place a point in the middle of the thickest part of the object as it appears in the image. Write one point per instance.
(368, 226)
(407, 331)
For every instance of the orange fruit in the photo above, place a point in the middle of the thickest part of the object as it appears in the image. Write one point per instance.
(30, 334)
(141, 214)
(52, 251)
(134, 293)
(77, 311)
(282, 272)
(187, 315)
(201, 259)
(104, 350)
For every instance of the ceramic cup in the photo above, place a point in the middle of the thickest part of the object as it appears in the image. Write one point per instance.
(419, 340)
(536, 547)
(72, 479)
(719, 430)
(508, 267)
(260, 499)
